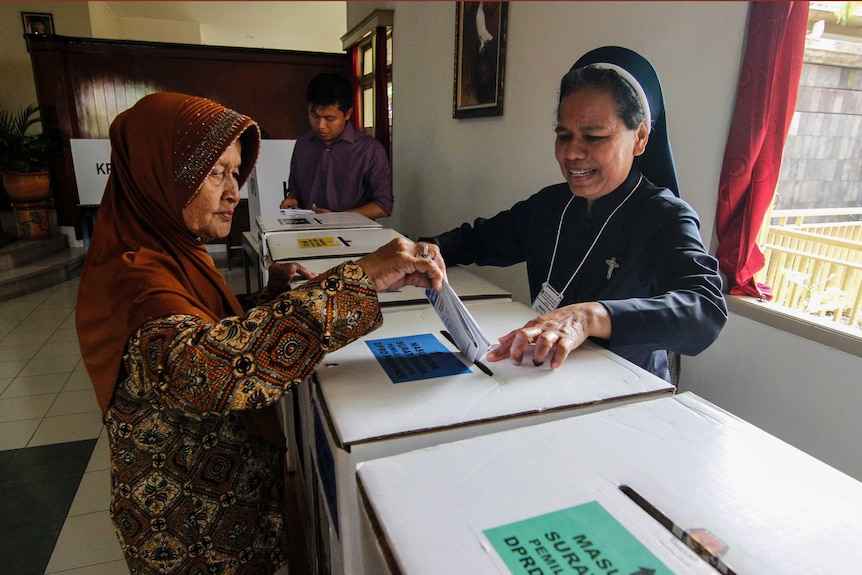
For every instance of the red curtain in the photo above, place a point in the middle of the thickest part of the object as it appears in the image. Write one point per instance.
(765, 100)
(353, 54)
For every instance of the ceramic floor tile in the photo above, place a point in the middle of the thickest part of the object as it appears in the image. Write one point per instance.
(69, 322)
(35, 385)
(64, 428)
(70, 334)
(100, 460)
(51, 309)
(110, 568)
(26, 407)
(94, 493)
(22, 336)
(17, 434)
(13, 316)
(55, 348)
(69, 402)
(78, 380)
(19, 352)
(41, 322)
(62, 364)
(26, 303)
(12, 368)
(6, 327)
(85, 540)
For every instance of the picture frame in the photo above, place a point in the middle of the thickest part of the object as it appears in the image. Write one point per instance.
(480, 58)
(38, 22)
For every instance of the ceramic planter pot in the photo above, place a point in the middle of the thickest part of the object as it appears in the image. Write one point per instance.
(30, 194)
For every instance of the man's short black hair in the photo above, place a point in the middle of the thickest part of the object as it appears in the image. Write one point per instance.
(328, 89)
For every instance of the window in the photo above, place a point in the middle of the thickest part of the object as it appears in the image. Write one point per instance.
(370, 44)
(812, 237)
(766, 122)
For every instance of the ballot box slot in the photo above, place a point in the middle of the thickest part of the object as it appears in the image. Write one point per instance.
(691, 541)
(484, 368)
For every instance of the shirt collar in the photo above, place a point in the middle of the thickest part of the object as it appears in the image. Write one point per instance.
(348, 135)
(606, 204)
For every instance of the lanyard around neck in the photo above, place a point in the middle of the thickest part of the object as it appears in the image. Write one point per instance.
(595, 240)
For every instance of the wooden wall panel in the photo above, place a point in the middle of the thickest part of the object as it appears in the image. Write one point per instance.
(83, 83)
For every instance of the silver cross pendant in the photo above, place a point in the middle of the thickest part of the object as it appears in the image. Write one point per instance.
(612, 265)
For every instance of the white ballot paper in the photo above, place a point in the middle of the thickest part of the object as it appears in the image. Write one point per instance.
(459, 323)
(294, 212)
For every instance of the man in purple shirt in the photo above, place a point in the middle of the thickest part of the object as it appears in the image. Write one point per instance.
(335, 167)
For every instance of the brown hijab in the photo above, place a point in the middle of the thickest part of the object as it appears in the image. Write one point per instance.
(143, 262)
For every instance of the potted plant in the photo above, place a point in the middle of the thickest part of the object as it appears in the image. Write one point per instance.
(24, 158)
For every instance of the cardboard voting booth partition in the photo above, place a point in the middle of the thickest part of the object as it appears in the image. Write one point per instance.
(405, 386)
(267, 184)
(92, 162)
(703, 492)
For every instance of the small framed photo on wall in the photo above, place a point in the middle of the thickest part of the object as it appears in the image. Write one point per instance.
(38, 22)
(480, 58)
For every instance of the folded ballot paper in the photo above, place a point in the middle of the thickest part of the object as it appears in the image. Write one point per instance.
(464, 330)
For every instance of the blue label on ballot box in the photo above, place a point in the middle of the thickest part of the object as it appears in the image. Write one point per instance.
(415, 357)
(585, 539)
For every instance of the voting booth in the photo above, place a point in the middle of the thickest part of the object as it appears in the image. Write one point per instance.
(267, 183)
(671, 485)
(406, 386)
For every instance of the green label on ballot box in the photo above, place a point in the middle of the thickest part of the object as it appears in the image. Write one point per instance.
(584, 540)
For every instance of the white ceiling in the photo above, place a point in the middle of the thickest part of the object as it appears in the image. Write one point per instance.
(284, 25)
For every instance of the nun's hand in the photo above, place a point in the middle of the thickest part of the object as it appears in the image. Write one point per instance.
(555, 334)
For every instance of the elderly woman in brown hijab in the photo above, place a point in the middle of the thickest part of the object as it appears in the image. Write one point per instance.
(186, 378)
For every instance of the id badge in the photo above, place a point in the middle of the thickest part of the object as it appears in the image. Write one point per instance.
(547, 300)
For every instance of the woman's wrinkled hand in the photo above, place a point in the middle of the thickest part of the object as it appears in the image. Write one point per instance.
(282, 274)
(402, 262)
(554, 334)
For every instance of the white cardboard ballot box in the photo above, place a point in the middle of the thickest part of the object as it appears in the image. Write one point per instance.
(335, 243)
(302, 222)
(275, 223)
(405, 386)
(466, 284)
(348, 243)
(754, 504)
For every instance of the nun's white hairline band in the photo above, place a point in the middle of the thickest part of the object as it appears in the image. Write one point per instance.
(628, 77)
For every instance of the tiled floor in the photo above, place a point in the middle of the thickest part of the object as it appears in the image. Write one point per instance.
(54, 460)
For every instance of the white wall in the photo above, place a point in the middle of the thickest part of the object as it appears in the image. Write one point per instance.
(487, 164)
(17, 88)
(805, 393)
(448, 171)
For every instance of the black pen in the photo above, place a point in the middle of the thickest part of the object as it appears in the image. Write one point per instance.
(678, 531)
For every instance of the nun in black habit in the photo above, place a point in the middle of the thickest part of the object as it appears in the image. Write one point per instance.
(613, 254)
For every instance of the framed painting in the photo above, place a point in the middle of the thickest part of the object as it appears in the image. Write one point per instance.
(480, 58)
(38, 22)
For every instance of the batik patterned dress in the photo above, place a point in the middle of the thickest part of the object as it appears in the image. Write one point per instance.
(193, 492)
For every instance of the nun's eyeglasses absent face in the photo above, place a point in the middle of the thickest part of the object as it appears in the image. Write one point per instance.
(594, 146)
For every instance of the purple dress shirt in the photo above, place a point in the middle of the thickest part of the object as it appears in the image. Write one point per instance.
(352, 172)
